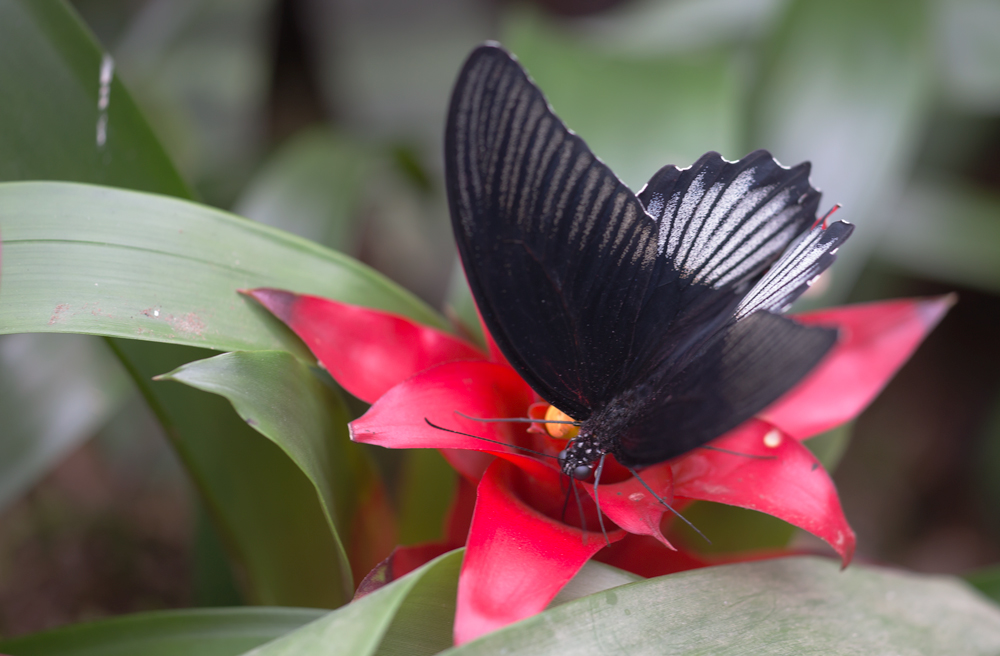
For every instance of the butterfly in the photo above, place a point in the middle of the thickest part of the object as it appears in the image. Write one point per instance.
(652, 319)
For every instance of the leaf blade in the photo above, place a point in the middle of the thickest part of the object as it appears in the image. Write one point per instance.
(782, 606)
(79, 258)
(197, 632)
(50, 65)
(280, 398)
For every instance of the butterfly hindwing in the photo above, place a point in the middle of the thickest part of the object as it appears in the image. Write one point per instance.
(721, 223)
(746, 368)
(796, 270)
(558, 251)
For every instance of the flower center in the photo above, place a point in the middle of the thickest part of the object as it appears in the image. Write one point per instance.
(560, 431)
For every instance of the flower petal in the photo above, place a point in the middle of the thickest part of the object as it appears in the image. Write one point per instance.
(876, 339)
(365, 350)
(398, 420)
(768, 471)
(517, 559)
(630, 505)
(646, 556)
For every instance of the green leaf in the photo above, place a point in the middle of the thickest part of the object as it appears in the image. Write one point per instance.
(829, 447)
(201, 632)
(79, 258)
(266, 510)
(987, 581)
(50, 72)
(311, 187)
(412, 616)
(636, 113)
(594, 577)
(279, 396)
(783, 606)
(202, 72)
(425, 620)
(213, 580)
(426, 487)
(55, 392)
(732, 530)
(847, 86)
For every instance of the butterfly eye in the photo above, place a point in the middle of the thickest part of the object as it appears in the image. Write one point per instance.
(582, 472)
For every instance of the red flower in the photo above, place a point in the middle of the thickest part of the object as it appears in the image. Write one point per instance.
(524, 543)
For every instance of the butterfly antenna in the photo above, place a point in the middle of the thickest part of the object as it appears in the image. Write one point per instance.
(836, 206)
(600, 515)
(668, 506)
(579, 508)
(523, 420)
(562, 515)
(737, 453)
(486, 439)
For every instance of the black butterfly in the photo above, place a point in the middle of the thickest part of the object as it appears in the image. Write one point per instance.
(653, 319)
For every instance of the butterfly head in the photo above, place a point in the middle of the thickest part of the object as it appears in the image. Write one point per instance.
(578, 458)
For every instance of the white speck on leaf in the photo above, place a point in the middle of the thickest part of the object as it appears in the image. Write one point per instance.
(104, 98)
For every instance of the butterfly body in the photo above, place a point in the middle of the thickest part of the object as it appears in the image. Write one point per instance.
(654, 318)
(598, 434)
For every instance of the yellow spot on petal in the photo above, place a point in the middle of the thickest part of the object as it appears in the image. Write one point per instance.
(560, 431)
(773, 438)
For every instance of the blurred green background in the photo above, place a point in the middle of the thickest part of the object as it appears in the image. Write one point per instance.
(325, 118)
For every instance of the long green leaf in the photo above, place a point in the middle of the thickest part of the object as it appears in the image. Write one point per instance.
(594, 577)
(202, 632)
(85, 259)
(265, 508)
(279, 396)
(50, 74)
(987, 581)
(411, 616)
(50, 69)
(786, 606)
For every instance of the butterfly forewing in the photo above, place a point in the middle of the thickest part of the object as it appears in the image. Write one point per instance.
(558, 252)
